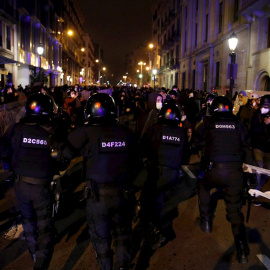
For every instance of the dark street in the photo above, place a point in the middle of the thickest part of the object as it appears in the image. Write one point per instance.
(187, 247)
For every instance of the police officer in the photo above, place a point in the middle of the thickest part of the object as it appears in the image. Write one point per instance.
(108, 151)
(223, 138)
(30, 144)
(162, 145)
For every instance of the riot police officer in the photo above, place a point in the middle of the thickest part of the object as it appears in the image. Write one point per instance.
(162, 145)
(30, 144)
(108, 151)
(224, 139)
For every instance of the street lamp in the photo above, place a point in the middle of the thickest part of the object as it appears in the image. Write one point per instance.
(104, 75)
(154, 73)
(140, 76)
(233, 40)
(70, 32)
(141, 64)
(40, 51)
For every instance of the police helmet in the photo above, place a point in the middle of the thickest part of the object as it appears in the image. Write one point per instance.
(100, 107)
(265, 101)
(39, 104)
(170, 113)
(221, 104)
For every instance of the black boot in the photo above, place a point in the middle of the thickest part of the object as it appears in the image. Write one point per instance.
(242, 250)
(205, 224)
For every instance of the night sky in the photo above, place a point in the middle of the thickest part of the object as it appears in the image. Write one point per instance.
(119, 26)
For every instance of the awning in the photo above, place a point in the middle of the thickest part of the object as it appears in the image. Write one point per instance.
(5, 60)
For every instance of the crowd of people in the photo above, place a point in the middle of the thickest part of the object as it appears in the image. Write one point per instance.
(120, 134)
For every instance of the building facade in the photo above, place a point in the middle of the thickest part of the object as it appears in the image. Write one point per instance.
(136, 65)
(8, 41)
(57, 26)
(88, 76)
(191, 49)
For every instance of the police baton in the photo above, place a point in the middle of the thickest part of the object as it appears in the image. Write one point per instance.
(248, 208)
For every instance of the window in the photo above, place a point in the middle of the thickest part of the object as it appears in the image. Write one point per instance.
(178, 5)
(176, 78)
(268, 35)
(220, 18)
(171, 81)
(206, 28)
(235, 11)
(193, 78)
(173, 29)
(23, 33)
(171, 57)
(217, 82)
(185, 44)
(205, 76)
(8, 38)
(196, 34)
(178, 27)
(177, 53)
(183, 80)
(1, 35)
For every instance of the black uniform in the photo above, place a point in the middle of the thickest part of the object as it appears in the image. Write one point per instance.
(162, 145)
(224, 139)
(108, 151)
(30, 143)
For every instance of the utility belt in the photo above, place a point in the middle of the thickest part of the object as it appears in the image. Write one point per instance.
(94, 190)
(33, 181)
(222, 165)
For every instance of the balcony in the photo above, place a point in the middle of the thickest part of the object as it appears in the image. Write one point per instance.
(175, 36)
(174, 63)
(172, 14)
(163, 69)
(255, 8)
(167, 45)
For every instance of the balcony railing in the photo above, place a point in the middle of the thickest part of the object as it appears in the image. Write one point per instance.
(174, 63)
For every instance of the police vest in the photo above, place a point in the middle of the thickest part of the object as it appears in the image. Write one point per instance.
(31, 155)
(167, 146)
(223, 142)
(106, 153)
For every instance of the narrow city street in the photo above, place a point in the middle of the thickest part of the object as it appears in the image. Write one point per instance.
(188, 247)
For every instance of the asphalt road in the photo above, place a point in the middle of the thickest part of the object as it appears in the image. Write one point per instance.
(187, 249)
